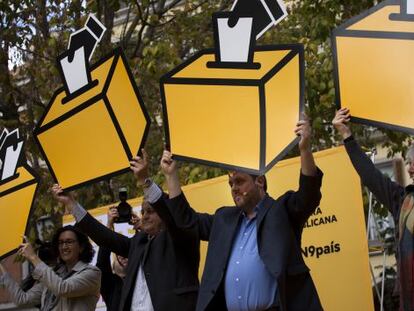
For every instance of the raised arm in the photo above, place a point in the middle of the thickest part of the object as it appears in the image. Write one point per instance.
(152, 193)
(385, 190)
(304, 131)
(99, 233)
(303, 202)
(184, 216)
(85, 282)
(18, 296)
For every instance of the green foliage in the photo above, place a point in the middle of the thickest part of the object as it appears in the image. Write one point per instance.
(156, 36)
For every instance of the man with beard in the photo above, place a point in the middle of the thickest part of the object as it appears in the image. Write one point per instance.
(254, 259)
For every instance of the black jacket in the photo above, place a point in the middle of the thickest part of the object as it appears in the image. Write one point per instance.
(279, 230)
(385, 190)
(170, 261)
(392, 196)
(111, 284)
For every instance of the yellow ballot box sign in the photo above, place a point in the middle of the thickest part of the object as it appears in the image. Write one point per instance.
(18, 184)
(93, 132)
(373, 54)
(16, 200)
(235, 118)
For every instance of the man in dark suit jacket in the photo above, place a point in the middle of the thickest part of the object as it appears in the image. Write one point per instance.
(254, 259)
(163, 259)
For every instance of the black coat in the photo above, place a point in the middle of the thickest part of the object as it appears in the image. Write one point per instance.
(170, 261)
(279, 230)
(111, 284)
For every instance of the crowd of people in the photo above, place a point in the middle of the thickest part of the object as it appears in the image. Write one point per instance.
(254, 259)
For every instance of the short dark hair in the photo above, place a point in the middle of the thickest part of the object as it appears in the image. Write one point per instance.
(253, 176)
(87, 252)
(265, 180)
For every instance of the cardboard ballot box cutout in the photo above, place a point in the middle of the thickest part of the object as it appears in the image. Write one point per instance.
(18, 184)
(235, 118)
(94, 134)
(373, 54)
(16, 200)
(236, 106)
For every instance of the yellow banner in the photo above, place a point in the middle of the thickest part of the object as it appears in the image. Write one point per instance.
(334, 242)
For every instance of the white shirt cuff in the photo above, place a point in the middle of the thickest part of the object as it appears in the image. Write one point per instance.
(78, 212)
(152, 193)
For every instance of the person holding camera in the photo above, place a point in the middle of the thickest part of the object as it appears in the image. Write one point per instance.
(163, 260)
(72, 285)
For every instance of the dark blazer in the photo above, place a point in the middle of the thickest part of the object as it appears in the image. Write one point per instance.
(170, 261)
(111, 284)
(388, 192)
(279, 230)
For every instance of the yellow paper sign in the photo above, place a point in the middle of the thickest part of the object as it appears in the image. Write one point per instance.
(374, 65)
(16, 199)
(93, 135)
(231, 117)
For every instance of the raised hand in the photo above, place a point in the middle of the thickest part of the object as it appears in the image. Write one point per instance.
(139, 166)
(304, 130)
(170, 170)
(168, 165)
(112, 216)
(340, 122)
(67, 199)
(26, 250)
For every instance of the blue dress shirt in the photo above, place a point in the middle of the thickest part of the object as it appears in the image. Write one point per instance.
(248, 285)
